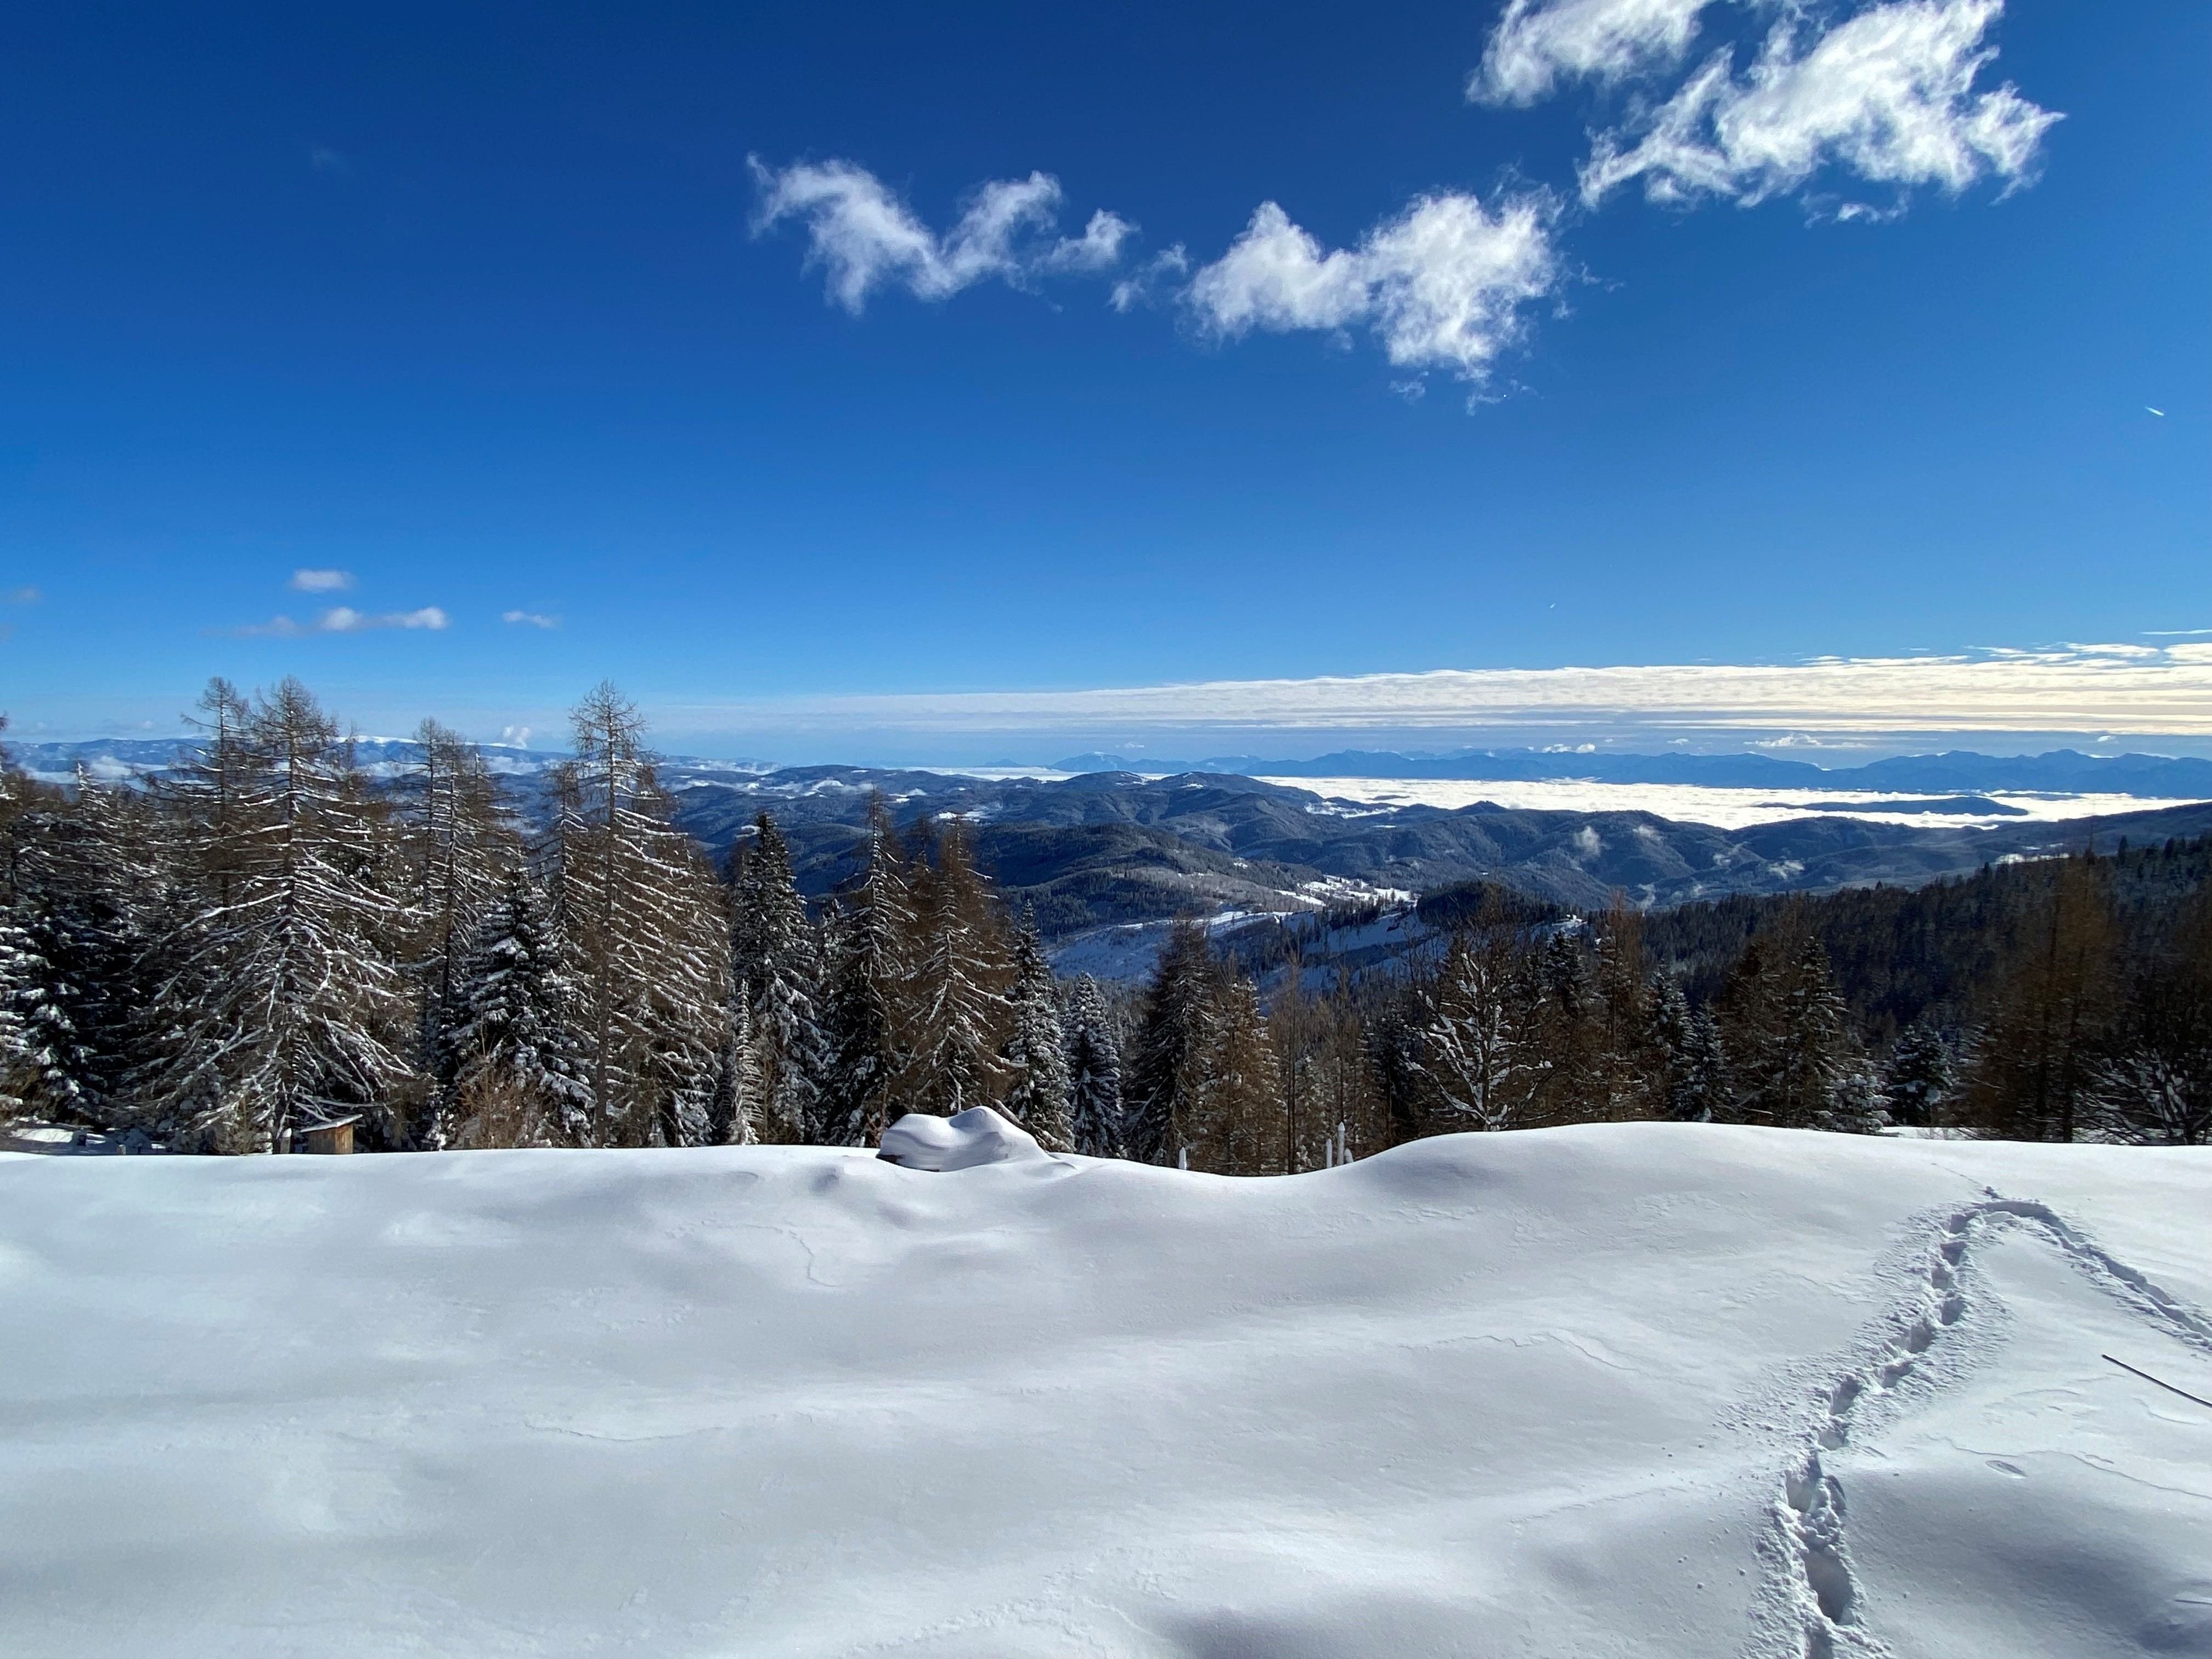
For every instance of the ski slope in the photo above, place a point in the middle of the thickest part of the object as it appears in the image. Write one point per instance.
(1632, 1389)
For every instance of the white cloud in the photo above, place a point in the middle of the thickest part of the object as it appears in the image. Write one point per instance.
(1442, 286)
(23, 596)
(321, 581)
(1887, 94)
(344, 619)
(1142, 285)
(1099, 247)
(865, 238)
(1539, 43)
(530, 618)
(2059, 688)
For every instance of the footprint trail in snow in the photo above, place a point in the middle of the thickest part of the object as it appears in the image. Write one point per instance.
(1820, 1585)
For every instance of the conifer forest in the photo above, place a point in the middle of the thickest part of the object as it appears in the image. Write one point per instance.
(264, 940)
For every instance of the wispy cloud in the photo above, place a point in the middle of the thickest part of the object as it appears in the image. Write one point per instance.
(865, 238)
(1887, 96)
(344, 619)
(1539, 43)
(24, 596)
(2059, 688)
(1444, 285)
(529, 619)
(321, 581)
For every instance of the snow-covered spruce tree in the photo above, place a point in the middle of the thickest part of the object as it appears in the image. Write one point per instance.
(1561, 1011)
(644, 916)
(1159, 1088)
(1794, 1057)
(865, 1016)
(737, 1085)
(961, 1012)
(77, 895)
(287, 1008)
(511, 1065)
(1035, 1054)
(1691, 1083)
(20, 971)
(775, 958)
(1094, 1073)
(1476, 1052)
(1922, 1078)
(457, 851)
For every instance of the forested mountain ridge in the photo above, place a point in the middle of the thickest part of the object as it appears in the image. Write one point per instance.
(1109, 848)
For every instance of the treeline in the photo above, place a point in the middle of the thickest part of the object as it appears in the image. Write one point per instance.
(267, 939)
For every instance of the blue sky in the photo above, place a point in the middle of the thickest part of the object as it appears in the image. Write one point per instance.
(1848, 352)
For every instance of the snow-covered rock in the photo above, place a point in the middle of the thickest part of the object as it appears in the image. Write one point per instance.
(921, 1140)
(1651, 1390)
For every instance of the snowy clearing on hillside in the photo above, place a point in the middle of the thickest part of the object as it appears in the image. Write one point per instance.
(1724, 809)
(1618, 1390)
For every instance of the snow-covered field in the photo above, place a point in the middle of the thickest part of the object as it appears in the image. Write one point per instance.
(1726, 809)
(1631, 1390)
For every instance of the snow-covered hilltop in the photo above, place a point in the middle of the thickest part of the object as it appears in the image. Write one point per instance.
(1628, 1390)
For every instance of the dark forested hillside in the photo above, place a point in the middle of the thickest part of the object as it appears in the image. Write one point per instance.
(1903, 954)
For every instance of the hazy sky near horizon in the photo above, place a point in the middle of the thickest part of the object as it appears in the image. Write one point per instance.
(865, 383)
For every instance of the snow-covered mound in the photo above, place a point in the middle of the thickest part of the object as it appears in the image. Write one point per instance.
(963, 1141)
(1619, 1390)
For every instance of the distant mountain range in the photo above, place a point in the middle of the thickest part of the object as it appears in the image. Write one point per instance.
(1109, 848)
(2063, 770)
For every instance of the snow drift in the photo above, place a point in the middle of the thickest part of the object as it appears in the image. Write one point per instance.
(922, 1140)
(1633, 1390)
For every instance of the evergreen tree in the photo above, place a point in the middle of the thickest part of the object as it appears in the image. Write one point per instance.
(864, 1014)
(774, 953)
(80, 989)
(1094, 1073)
(288, 1009)
(459, 852)
(1172, 1032)
(1233, 1088)
(22, 975)
(1475, 1051)
(1921, 1078)
(1560, 1009)
(1788, 1035)
(1706, 1087)
(738, 1087)
(1629, 1066)
(1813, 1072)
(961, 1012)
(642, 915)
(513, 1066)
(1035, 1053)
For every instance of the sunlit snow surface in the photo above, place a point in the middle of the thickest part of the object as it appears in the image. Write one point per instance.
(1726, 809)
(1621, 1390)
